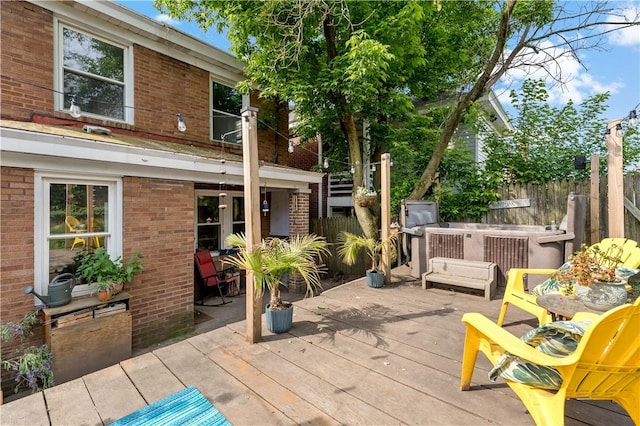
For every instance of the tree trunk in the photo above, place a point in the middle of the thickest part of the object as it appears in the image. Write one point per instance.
(364, 215)
(274, 296)
(485, 81)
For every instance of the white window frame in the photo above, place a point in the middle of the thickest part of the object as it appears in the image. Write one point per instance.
(226, 215)
(42, 223)
(59, 100)
(246, 99)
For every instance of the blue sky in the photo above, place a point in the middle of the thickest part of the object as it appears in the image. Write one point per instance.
(614, 69)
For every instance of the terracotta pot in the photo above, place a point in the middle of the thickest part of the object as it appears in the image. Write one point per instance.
(105, 295)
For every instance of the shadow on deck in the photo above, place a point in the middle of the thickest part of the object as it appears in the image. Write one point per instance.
(354, 355)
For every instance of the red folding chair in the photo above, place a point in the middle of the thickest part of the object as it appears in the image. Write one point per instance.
(210, 277)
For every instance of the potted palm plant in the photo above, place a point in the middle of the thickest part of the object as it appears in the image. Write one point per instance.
(351, 244)
(271, 260)
(105, 275)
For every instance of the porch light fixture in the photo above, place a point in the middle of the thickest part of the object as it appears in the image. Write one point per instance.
(181, 124)
(265, 203)
(290, 148)
(74, 109)
(326, 163)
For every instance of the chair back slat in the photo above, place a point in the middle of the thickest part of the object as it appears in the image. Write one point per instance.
(609, 355)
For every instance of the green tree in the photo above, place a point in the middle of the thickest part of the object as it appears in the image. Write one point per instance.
(546, 139)
(343, 61)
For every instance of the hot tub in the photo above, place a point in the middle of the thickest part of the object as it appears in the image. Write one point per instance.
(508, 246)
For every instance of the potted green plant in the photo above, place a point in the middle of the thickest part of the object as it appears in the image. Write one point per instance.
(105, 275)
(351, 244)
(592, 276)
(271, 260)
(365, 197)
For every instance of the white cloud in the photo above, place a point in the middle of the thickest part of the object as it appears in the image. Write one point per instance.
(629, 36)
(166, 19)
(577, 84)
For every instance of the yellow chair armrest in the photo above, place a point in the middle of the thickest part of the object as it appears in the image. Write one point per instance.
(582, 316)
(497, 335)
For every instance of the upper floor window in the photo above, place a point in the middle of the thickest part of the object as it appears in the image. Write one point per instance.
(227, 104)
(96, 71)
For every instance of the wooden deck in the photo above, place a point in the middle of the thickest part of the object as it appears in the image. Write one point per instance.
(355, 355)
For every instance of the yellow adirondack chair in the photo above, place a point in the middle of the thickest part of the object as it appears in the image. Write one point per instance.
(516, 294)
(604, 366)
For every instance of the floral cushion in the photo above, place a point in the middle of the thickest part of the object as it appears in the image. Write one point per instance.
(558, 339)
(552, 285)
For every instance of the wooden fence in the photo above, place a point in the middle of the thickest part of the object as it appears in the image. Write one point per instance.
(330, 228)
(549, 202)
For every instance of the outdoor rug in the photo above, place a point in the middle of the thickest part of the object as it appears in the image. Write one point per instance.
(186, 407)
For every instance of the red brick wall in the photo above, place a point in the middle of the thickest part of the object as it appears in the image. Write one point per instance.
(16, 251)
(26, 55)
(158, 222)
(163, 87)
(298, 225)
(164, 84)
(305, 157)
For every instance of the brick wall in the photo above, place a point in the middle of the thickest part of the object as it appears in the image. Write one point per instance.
(158, 222)
(26, 56)
(16, 252)
(298, 225)
(305, 157)
(163, 87)
(168, 85)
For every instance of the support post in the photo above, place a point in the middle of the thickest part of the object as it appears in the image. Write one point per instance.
(594, 202)
(385, 212)
(615, 183)
(252, 216)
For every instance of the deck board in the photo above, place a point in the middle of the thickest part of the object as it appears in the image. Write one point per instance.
(71, 404)
(113, 394)
(151, 377)
(29, 410)
(229, 395)
(355, 355)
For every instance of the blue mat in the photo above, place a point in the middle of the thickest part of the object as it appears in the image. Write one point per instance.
(187, 407)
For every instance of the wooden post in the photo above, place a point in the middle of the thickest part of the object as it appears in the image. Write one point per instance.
(385, 213)
(252, 216)
(594, 204)
(615, 184)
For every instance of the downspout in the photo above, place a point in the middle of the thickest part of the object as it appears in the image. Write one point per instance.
(320, 187)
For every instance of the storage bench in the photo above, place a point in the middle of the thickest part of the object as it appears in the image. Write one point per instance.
(463, 273)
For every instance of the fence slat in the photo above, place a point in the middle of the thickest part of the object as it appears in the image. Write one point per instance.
(549, 202)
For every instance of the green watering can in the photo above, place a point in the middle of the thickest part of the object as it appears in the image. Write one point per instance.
(60, 289)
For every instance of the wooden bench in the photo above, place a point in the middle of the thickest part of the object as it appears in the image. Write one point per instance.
(463, 273)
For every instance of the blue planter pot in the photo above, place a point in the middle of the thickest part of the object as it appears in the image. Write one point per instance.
(375, 279)
(279, 321)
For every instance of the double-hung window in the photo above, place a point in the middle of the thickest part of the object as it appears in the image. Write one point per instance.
(227, 103)
(96, 71)
(74, 215)
(218, 215)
